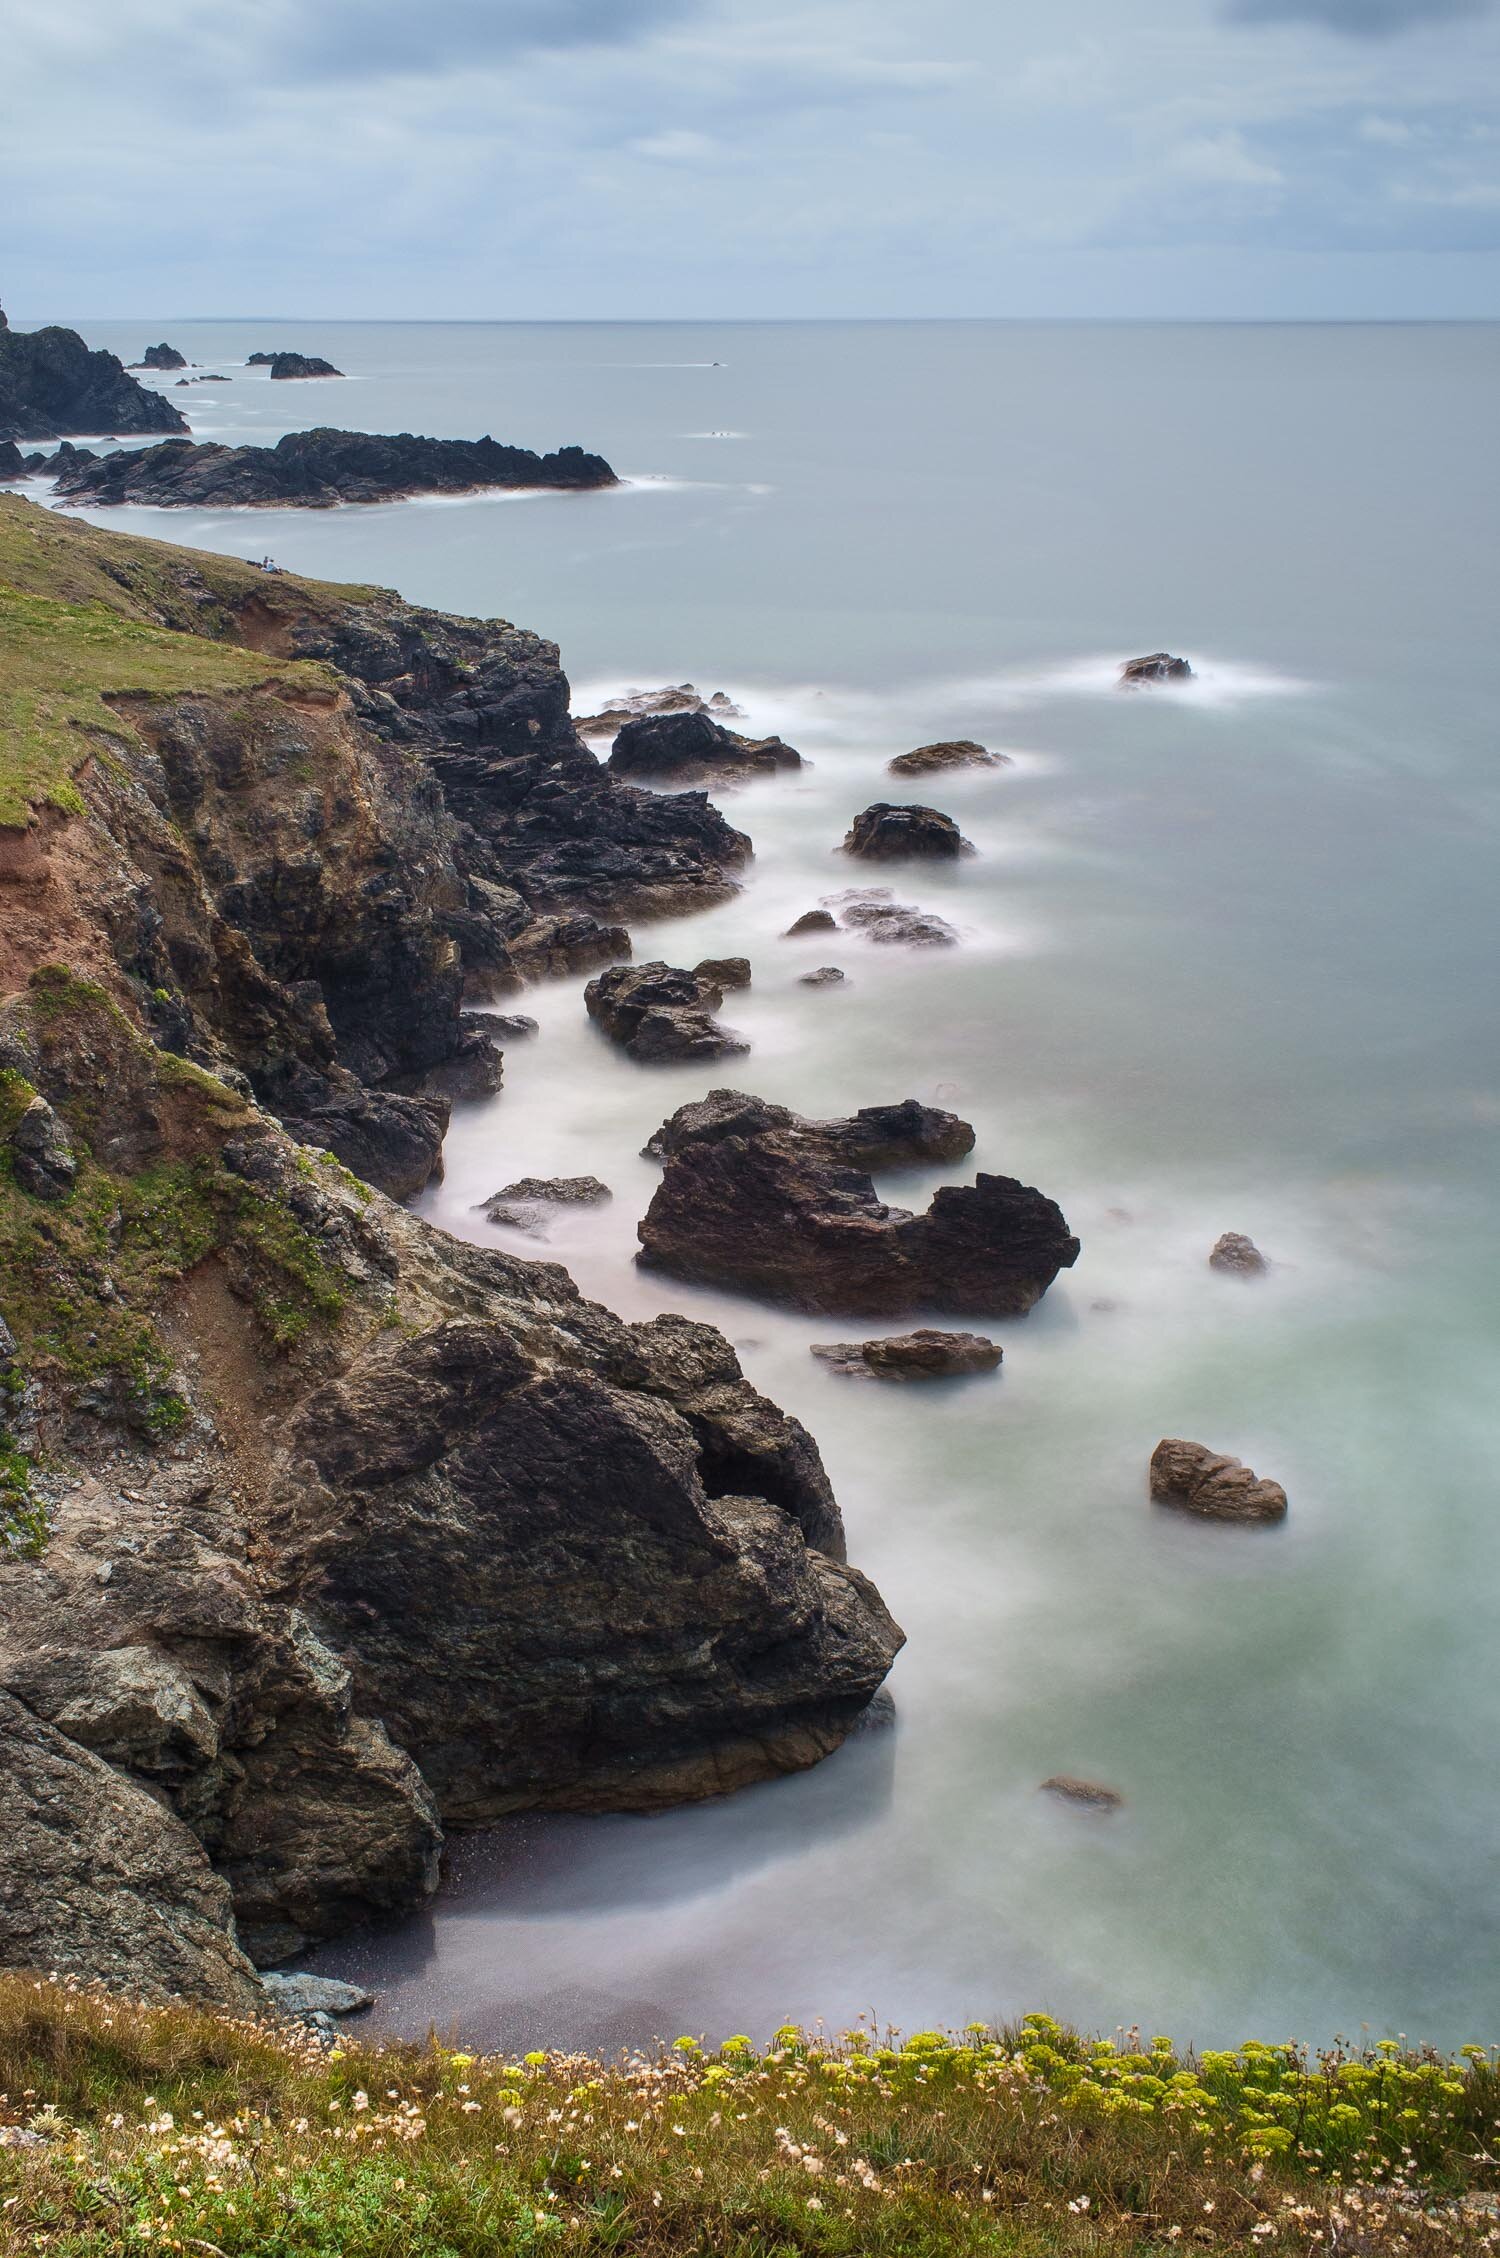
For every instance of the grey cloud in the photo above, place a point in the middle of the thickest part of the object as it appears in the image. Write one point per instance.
(361, 39)
(1361, 19)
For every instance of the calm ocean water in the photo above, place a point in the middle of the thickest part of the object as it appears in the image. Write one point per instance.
(1229, 963)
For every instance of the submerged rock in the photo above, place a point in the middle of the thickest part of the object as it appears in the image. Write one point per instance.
(923, 1355)
(826, 976)
(1208, 1482)
(872, 911)
(659, 1011)
(316, 469)
(505, 1026)
(693, 747)
(885, 833)
(1157, 666)
(755, 1198)
(1239, 1255)
(950, 752)
(1090, 1792)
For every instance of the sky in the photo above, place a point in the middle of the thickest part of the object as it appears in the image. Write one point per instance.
(609, 159)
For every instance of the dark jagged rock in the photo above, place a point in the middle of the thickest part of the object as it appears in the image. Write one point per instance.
(1198, 1480)
(1240, 1256)
(253, 1675)
(755, 1198)
(1157, 666)
(884, 833)
(923, 1355)
(316, 469)
(12, 462)
(693, 748)
(161, 357)
(284, 365)
(659, 1011)
(949, 752)
(51, 385)
(872, 911)
(826, 976)
(811, 921)
(724, 972)
(678, 698)
(508, 1026)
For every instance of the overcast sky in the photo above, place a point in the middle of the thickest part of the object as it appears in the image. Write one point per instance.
(540, 158)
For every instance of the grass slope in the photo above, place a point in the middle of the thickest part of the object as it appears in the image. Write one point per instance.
(168, 2129)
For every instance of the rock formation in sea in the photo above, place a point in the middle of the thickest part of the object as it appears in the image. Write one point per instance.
(161, 357)
(51, 385)
(1198, 1480)
(693, 748)
(659, 1011)
(874, 912)
(922, 1355)
(884, 833)
(680, 697)
(1091, 1793)
(315, 470)
(826, 976)
(294, 365)
(949, 752)
(526, 1204)
(811, 921)
(1240, 1256)
(757, 1199)
(285, 1474)
(1157, 666)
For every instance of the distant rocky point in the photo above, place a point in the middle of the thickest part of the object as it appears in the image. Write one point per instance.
(316, 469)
(52, 386)
(285, 365)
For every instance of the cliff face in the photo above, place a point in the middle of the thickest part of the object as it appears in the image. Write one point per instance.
(320, 1531)
(52, 386)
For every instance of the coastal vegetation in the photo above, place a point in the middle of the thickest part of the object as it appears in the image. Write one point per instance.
(126, 2128)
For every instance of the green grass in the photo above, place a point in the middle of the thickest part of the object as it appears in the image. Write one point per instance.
(168, 2129)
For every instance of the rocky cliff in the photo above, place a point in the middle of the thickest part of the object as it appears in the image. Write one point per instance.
(321, 1532)
(316, 469)
(52, 385)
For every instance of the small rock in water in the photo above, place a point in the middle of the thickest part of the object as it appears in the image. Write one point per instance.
(871, 911)
(659, 1011)
(521, 1205)
(887, 833)
(811, 921)
(1239, 1255)
(1091, 1792)
(505, 1026)
(1157, 666)
(724, 972)
(315, 1995)
(826, 976)
(1195, 1479)
(923, 1355)
(951, 752)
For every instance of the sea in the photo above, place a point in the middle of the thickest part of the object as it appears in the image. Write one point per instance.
(1228, 961)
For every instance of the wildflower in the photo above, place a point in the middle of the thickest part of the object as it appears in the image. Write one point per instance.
(814, 2203)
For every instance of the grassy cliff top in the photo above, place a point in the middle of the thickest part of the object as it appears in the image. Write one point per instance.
(165, 2128)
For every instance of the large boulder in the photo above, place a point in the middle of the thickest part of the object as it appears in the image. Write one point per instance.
(692, 748)
(885, 833)
(1208, 1482)
(660, 1011)
(755, 1198)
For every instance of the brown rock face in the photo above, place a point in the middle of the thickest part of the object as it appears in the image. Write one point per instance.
(1207, 1482)
(755, 1198)
(951, 752)
(1240, 1256)
(884, 833)
(923, 1355)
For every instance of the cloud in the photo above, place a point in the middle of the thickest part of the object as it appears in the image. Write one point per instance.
(1389, 133)
(361, 39)
(1360, 19)
(1224, 159)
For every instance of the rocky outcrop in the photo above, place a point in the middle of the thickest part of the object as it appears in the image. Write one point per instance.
(811, 921)
(724, 972)
(305, 1470)
(680, 697)
(1239, 1256)
(757, 1199)
(315, 470)
(692, 748)
(872, 911)
(161, 357)
(949, 752)
(293, 365)
(658, 1011)
(923, 1355)
(51, 385)
(524, 1205)
(884, 833)
(826, 976)
(1157, 666)
(12, 461)
(1198, 1480)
